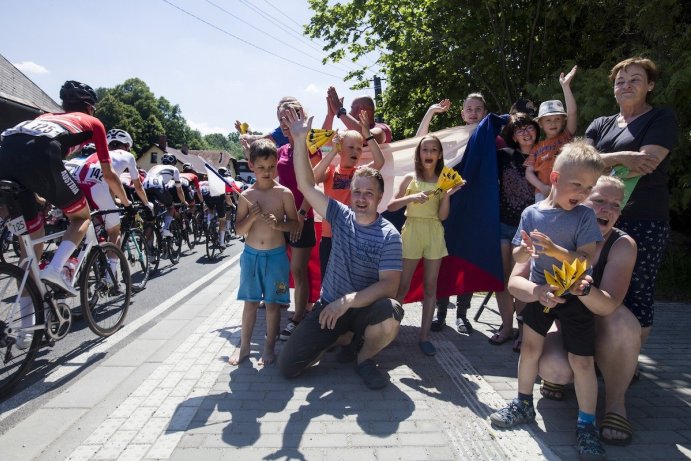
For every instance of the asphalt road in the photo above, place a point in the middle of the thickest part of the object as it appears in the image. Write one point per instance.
(55, 366)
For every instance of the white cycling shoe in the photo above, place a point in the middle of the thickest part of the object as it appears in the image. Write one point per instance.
(58, 279)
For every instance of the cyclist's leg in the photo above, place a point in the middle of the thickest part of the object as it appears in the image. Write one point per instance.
(221, 212)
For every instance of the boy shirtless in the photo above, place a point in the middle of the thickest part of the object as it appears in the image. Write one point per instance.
(264, 214)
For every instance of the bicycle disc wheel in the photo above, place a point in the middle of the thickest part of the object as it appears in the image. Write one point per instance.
(211, 239)
(18, 345)
(134, 247)
(153, 246)
(105, 296)
(175, 242)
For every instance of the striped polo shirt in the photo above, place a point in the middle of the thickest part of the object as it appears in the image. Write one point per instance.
(358, 253)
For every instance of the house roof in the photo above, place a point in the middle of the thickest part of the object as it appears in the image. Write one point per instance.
(19, 89)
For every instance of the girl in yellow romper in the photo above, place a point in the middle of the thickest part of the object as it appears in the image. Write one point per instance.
(423, 233)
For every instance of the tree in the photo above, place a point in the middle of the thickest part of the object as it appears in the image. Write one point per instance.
(506, 49)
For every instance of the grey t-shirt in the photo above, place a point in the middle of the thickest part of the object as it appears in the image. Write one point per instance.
(568, 229)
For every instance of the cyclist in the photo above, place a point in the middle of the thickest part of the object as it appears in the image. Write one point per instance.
(215, 204)
(194, 193)
(31, 154)
(158, 177)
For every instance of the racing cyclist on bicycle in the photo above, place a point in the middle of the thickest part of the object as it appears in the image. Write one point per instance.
(156, 182)
(31, 154)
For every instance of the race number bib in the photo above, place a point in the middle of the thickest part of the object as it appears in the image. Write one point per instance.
(17, 225)
(37, 128)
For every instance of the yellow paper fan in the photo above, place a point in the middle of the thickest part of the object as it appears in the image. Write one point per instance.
(318, 137)
(448, 179)
(564, 277)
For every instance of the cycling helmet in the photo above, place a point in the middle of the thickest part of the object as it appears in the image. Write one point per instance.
(87, 149)
(73, 91)
(223, 171)
(187, 168)
(169, 159)
(120, 136)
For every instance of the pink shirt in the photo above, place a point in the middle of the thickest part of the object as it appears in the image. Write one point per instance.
(286, 174)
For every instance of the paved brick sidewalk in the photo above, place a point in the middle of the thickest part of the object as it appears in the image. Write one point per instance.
(171, 395)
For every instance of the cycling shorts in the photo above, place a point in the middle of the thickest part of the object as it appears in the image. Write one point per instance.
(35, 162)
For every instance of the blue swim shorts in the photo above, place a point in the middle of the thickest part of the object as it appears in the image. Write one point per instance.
(264, 275)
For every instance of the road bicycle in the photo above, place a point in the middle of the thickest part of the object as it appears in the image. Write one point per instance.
(133, 245)
(159, 247)
(31, 309)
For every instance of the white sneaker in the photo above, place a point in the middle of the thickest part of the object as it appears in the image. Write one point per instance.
(58, 279)
(166, 233)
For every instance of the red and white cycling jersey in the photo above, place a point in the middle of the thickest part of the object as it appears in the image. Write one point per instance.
(89, 170)
(72, 129)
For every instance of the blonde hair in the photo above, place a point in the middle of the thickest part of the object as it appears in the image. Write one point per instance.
(580, 154)
(353, 134)
(618, 184)
(477, 96)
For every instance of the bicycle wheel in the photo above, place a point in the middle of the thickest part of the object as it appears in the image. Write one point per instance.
(187, 232)
(18, 346)
(153, 246)
(174, 242)
(197, 223)
(105, 296)
(212, 239)
(134, 247)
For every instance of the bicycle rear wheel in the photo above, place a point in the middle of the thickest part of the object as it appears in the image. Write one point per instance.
(21, 328)
(197, 223)
(105, 296)
(153, 246)
(212, 239)
(188, 232)
(134, 247)
(174, 242)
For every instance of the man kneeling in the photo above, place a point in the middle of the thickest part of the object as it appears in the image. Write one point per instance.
(356, 309)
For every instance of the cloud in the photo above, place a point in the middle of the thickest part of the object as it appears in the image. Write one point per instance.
(205, 128)
(312, 88)
(29, 67)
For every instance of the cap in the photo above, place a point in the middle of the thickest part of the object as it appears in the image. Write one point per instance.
(552, 107)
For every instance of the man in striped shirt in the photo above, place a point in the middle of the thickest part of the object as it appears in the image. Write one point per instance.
(356, 308)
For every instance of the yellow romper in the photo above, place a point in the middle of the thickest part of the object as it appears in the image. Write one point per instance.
(423, 233)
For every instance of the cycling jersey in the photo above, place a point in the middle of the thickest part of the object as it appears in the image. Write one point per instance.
(89, 170)
(70, 129)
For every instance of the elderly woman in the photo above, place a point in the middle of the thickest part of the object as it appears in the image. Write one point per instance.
(638, 139)
(617, 330)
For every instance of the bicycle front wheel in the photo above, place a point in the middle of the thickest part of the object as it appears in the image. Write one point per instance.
(21, 326)
(134, 247)
(188, 232)
(106, 289)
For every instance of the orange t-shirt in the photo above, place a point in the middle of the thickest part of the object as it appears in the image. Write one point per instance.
(543, 154)
(337, 186)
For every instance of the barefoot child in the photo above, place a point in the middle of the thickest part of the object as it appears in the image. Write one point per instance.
(423, 233)
(268, 211)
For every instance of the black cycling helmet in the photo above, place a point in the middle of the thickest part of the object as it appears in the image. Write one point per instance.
(169, 159)
(188, 168)
(73, 91)
(222, 171)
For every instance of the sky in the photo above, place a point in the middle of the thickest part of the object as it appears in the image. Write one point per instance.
(211, 66)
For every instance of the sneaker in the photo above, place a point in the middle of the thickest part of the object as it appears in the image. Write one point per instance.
(516, 412)
(166, 233)
(463, 326)
(437, 324)
(288, 330)
(58, 279)
(371, 376)
(589, 445)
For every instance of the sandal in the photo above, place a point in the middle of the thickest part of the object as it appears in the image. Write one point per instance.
(552, 391)
(615, 422)
(497, 339)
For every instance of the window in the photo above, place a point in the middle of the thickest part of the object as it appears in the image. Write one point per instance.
(154, 157)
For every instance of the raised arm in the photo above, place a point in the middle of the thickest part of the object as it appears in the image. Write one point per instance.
(571, 109)
(322, 167)
(299, 127)
(441, 106)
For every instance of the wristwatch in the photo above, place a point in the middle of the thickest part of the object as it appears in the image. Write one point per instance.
(302, 212)
(341, 112)
(586, 290)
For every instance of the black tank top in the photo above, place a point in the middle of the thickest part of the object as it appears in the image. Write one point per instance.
(599, 268)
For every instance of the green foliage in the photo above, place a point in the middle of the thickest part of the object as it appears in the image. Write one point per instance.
(507, 49)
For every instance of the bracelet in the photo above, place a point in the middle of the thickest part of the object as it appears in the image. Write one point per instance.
(369, 138)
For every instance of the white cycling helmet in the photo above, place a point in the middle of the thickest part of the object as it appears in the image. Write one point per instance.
(120, 136)
(169, 159)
